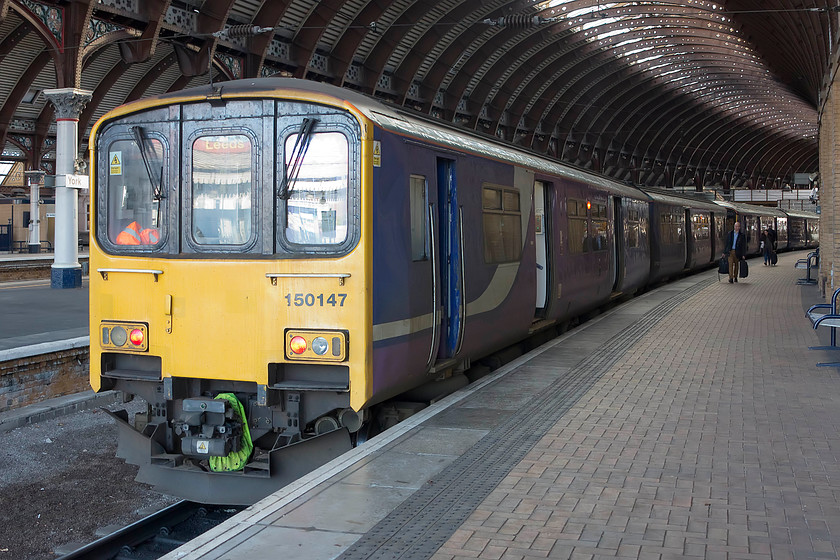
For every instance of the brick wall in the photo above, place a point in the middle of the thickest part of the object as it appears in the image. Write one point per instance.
(829, 156)
(30, 380)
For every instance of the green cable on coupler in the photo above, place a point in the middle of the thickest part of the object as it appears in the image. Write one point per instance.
(236, 460)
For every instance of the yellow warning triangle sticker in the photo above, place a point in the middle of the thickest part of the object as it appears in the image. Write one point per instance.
(116, 160)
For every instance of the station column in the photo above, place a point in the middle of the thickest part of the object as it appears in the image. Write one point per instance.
(35, 179)
(68, 102)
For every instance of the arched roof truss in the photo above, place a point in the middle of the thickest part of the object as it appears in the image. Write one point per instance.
(680, 91)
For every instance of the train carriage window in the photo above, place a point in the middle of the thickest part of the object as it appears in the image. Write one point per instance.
(502, 224)
(578, 226)
(599, 227)
(222, 190)
(701, 224)
(317, 204)
(633, 228)
(135, 206)
(419, 203)
(672, 228)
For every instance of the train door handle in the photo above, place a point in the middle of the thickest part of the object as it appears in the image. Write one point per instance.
(167, 310)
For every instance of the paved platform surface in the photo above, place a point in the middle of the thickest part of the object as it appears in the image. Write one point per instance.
(691, 422)
(34, 313)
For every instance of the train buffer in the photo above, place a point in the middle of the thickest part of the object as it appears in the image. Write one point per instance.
(826, 315)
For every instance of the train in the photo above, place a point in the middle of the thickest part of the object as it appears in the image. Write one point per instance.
(274, 261)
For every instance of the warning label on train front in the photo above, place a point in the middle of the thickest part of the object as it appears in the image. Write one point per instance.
(377, 153)
(202, 447)
(116, 163)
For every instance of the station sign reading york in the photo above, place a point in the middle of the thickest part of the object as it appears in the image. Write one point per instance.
(76, 181)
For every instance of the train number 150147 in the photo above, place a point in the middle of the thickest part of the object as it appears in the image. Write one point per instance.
(312, 300)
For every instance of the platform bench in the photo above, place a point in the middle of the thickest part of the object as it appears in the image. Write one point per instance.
(826, 315)
(809, 263)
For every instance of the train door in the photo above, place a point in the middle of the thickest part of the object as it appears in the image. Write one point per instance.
(618, 247)
(615, 243)
(690, 238)
(541, 234)
(451, 268)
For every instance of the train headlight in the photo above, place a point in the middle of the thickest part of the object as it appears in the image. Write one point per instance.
(321, 346)
(118, 336)
(124, 335)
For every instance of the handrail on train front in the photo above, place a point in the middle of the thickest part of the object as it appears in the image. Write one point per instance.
(273, 276)
(104, 271)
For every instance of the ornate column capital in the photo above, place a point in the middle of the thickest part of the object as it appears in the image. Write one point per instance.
(68, 102)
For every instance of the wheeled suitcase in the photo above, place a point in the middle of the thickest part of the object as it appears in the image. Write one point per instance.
(774, 258)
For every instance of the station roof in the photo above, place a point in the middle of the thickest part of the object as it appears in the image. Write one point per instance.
(664, 93)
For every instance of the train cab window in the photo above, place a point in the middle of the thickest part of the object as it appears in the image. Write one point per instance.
(419, 204)
(136, 205)
(578, 226)
(502, 224)
(222, 190)
(317, 189)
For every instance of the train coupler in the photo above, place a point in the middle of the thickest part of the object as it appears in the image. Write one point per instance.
(208, 428)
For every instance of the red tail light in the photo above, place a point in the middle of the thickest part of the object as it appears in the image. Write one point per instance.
(298, 345)
(137, 337)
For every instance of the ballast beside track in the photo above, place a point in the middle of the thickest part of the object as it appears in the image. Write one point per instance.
(156, 535)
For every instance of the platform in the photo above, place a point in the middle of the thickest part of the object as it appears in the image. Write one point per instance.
(691, 422)
(33, 313)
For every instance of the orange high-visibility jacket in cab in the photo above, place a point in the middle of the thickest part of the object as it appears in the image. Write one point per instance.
(132, 235)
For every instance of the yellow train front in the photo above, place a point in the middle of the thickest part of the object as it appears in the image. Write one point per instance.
(230, 284)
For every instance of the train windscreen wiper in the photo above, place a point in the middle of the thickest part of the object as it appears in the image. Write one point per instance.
(291, 172)
(148, 155)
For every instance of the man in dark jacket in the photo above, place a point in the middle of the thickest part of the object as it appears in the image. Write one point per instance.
(771, 233)
(736, 249)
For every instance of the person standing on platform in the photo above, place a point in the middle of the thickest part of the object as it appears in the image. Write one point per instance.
(736, 248)
(771, 234)
(766, 246)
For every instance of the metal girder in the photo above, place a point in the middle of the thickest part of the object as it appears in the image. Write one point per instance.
(153, 74)
(268, 16)
(306, 40)
(21, 87)
(720, 88)
(143, 47)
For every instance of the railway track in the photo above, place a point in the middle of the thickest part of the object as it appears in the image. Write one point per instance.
(155, 535)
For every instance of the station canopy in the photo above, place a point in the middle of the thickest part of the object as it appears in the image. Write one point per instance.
(661, 93)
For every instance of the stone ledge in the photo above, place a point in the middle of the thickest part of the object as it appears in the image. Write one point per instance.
(43, 348)
(56, 407)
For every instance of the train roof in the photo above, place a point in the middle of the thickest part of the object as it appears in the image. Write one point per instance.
(677, 198)
(452, 137)
(802, 214)
(401, 121)
(754, 209)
